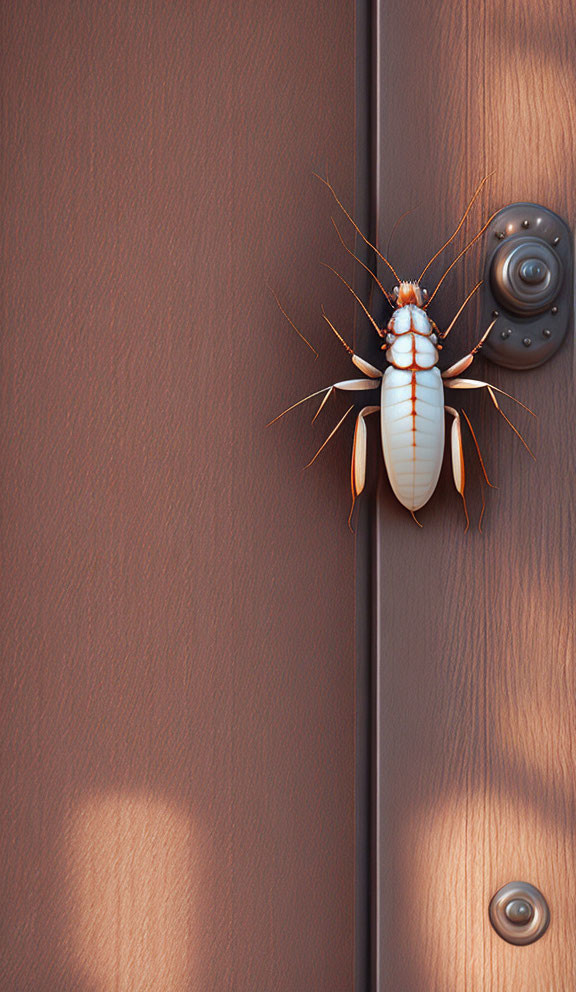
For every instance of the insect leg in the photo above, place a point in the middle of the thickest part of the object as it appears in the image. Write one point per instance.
(358, 467)
(331, 435)
(360, 363)
(347, 384)
(458, 458)
(350, 384)
(479, 453)
(463, 364)
(492, 390)
(482, 466)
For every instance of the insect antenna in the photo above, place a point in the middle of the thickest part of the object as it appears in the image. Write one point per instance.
(357, 229)
(339, 336)
(356, 297)
(397, 224)
(290, 321)
(459, 256)
(477, 192)
(454, 319)
(364, 266)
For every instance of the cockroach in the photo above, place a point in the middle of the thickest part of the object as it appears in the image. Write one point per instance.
(411, 402)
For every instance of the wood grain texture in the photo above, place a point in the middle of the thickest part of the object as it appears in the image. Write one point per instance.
(475, 685)
(177, 601)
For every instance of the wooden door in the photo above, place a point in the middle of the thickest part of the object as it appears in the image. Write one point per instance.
(475, 704)
(178, 596)
(178, 618)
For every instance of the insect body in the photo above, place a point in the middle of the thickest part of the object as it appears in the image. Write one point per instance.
(412, 403)
(412, 408)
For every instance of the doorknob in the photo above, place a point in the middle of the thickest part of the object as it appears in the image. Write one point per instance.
(526, 275)
(519, 913)
(527, 285)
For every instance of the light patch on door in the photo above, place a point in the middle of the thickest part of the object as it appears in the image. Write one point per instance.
(132, 894)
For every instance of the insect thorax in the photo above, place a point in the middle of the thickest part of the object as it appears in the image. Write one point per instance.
(410, 318)
(411, 339)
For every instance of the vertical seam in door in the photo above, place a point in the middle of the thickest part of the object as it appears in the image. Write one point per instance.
(486, 953)
(363, 543)
(467, 171)
(376, 978)
(468, 783)
(376, 968)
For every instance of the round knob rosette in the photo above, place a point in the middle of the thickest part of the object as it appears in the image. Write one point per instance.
(519, 913)
(526, 275)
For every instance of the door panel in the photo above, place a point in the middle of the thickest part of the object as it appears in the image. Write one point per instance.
(177, 607)
(475, 704)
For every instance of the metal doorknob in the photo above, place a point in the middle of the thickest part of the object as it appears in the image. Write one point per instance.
(526, 275)
(519, 913)
(527, 287)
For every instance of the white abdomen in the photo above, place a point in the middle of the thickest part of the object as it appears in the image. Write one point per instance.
(412, 417)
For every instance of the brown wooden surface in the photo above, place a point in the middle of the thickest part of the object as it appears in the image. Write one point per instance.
(475, 673)
(177, 608)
